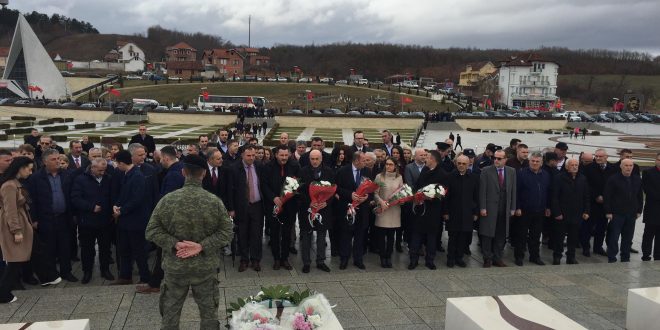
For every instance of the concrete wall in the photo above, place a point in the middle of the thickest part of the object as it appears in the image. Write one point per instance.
(517, 124)
(349, 122)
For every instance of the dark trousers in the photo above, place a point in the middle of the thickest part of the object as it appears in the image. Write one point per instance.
(406, 223)
(132, 247)
(280, 235)
(306, 245)
(385, 239)
(492, 248)
(595, 226)
(9, 280)
(41, 262)
(622, 225)
(457, 244)
(73, 245)
(89, 236)
(250, 233)
(157, 274)
(651, 233)
(430, 237)
(57, 240)
(529, 228)
(439, 236)
(513, 233)
(353, 237)
(569, 229)
(372, 239)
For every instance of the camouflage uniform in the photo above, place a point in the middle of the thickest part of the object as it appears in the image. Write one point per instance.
(177, 217)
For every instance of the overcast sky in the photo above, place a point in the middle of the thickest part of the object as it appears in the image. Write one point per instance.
(519, 24)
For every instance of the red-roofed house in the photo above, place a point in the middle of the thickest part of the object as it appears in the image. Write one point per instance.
(181, 52)
(182, 61)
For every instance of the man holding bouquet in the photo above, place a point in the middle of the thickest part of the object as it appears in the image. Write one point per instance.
(284, 212)
(315, 173)
(349, 178)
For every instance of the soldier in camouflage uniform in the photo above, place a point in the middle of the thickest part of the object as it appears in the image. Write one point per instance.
(190, 237)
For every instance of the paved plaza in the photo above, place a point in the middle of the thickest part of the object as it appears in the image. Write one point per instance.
(592, 293)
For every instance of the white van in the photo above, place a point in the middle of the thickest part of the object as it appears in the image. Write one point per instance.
(363, 82)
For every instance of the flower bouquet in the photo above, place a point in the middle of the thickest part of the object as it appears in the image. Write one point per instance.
(319, 192)
(428, 192)
(366, 187)
(289, 189)
(402, 195)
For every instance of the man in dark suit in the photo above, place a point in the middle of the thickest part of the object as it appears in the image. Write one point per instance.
(316, 171)
(410, 176)
(76, 159)
(461, 210)
(223, 138)
(50, 190)
(387, 142)
(497, 200)
(144, 139)
(231, 157)
(317, 144)
(597, 175)
(560, 149)
(627, 154)
(249, 181)
(131, 209)
(353, 235)
(358, 141)
(445, 162)
(570, 206)
(651, 185)
(276, 173)
(91, 198)
(218, 179)
(427, 223)
(33, 138)
(623, 205)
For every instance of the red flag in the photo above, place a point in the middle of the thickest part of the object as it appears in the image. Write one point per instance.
(310, 96)
(114, 92)
(405, 99)
(35, 88)
(489, 103)
(69, 65)
(249, 100)
(558, 104)
(205, 94)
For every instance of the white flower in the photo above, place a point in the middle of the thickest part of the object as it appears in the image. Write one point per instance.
(315, 320)
(325, 183)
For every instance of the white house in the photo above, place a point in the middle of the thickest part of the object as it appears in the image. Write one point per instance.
(132, 57)
(528, 81)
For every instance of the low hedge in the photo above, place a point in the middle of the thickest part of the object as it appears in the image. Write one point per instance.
(3, 137)
(45, 122)
(5, 126)
(23, 124)
(85, 125)
(57, 120)
(18, 131)
(68, 120)
(23, 118)
(56, 128)
(473, 130)
(169, 140)
(59, 138)
(595, 132)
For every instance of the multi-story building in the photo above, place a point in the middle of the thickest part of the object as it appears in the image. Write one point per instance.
(181, 52)
(223, 62)
(131, 55)
(528, 81)
(182, 61)
(475, 72)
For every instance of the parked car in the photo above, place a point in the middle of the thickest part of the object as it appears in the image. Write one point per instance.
(67, 74)
(377, 83)
(155, 77)
(24, 101)
(111, 75)
(132, 77)
(282, 79)
(333, 111)
(353, 113)
(295, 112)
(368, 113)
(54, 105)
(88, 105)
(603, 118)
(629, 117)
(305, 80)
(363, 82)
(176, 108)
(316, 112)
(385, 113)
(403, 114)
(418, 114)
(9, 100)
(326, 80)
(174, 78)
(342, 82)
(644, 118)
(575, 118)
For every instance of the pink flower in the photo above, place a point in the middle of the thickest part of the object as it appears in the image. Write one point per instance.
(299, 323)
(310, 310)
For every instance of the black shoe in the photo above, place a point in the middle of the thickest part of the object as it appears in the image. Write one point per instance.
(87, 276)
(398, 247)
(69, 278)
(383, 262)
(440, 248)
(537, 261)
(451, 263)
(556, 261)
(389, 262)
(600, 252)
(106, 274)
(467, 252)
(359, 265)
(323, 267)
(343, 264)
(586, 253)
(634, 250)
(518, 262)
(572, 261)
(75, 259)
(646, 258)
(293, 250)
(305, 269)
(461, 263)
(430, 266)
(31, 280)
(412, 265)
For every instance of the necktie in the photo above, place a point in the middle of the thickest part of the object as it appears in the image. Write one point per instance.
(281, 170)
(357, 178)
(500, 176)
(214, 177)
(252, 194)
(77, 160)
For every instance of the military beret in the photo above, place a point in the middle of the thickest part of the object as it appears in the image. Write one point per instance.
(470, 153)
(124, 157)
(194, 160)
(442, 146)
(492, 147)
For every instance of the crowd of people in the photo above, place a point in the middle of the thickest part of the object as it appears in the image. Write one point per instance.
(56, 206)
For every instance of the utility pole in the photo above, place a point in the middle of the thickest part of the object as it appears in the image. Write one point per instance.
(249, 30)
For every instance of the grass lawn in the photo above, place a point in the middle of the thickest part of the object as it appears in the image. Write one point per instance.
(281, 95)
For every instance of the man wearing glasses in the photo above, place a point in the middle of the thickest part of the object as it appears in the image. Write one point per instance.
(146, 140)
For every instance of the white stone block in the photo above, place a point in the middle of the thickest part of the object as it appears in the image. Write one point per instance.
(48, 325)
(515, 312)
(643, 311)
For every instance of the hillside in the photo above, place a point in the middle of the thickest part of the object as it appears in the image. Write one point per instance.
(598, 90)
(88, 47)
